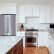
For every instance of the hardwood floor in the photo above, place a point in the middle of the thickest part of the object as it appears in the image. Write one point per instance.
(35, 50)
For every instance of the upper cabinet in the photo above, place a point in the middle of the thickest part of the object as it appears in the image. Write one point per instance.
(48, 13)
(42, 14)
(28, 11)
(45, 14)
(7, 9)
(32, 10)
(52, 19)
(21, 14)
(36, 10)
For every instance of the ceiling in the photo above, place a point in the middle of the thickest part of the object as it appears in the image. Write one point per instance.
(26, 1)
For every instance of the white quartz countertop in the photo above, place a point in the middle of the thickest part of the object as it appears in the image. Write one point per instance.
(7, 42)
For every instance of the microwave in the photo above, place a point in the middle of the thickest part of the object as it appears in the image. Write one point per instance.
(51, 25)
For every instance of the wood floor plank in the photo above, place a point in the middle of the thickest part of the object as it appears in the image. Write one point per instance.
(35, 50)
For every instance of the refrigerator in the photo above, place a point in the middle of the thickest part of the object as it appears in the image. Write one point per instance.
(8, 24)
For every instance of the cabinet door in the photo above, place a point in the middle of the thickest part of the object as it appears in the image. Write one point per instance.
(11, 9)
(28, 10)
(8, 24)
(19, 47)
(12, 51)
(8, 9)
(35, 10)
(2, 25)
(52, 47)
(42, 14)
(43, 39)
(12, 25)
(19, 50)
(48, 14)
(52, 19)
(21, 14)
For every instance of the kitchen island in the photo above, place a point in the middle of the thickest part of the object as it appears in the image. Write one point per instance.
(8, 43)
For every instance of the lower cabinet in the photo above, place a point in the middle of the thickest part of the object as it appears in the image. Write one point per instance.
(43, 38)
(20, 50)
(12, 51)
(17, 49)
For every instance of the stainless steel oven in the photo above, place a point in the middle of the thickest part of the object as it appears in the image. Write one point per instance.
(31, 39)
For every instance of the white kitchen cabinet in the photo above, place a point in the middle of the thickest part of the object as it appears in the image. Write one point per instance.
(21, 14)
(52, 19)
(32, 10)
(51, 39)
(51, 46)
(19, 33)
(43, 39)
(45, 14)
(1, 10)
(48, 14)
(28, 10)
(42, 14)
(8, 9)
(35, 10)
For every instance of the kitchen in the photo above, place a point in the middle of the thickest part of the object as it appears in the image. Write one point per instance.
(26, 26)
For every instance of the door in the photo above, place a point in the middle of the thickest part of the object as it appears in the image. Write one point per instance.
(13, 25)
(2, 24)
(9, 24)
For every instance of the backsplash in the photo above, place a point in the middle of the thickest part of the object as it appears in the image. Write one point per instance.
(34, 23)
(44, 26)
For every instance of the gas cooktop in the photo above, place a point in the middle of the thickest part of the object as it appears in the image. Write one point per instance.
(31, 29)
